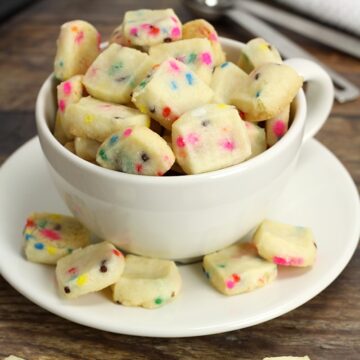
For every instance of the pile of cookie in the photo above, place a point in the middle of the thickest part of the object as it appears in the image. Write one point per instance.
(161, 96)
(83, 267)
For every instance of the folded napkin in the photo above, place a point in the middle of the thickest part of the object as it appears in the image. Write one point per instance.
(344, 14)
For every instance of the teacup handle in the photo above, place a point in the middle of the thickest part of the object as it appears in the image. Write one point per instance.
(319, 94)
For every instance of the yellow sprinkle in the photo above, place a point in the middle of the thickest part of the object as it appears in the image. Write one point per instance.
(52, 250)
(222, 106)
(82, 279)
(55, 216)
(88, 119)
(264, 46)
(142, 108)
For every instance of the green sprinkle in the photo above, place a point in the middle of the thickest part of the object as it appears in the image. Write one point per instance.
(222, 266)
(257, 94)
(158, 301)
(61, 63)
(102, 154)
(192, 58)
(114, 68)
(143, 84)
(69, 250)
(42, 223)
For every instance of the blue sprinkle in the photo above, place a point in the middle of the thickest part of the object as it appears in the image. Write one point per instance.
(28, 236)
(189, 78)
(257, 94)
(225, 64)
(114, 139)
(39, 246)
(173, 85)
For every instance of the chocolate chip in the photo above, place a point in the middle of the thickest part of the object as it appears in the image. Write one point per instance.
(67, 289)
(118, 302)
(121, 78)
(144, 157)
(152, 109)
(315, 244)
(173, 294)
(269, 47)
(205, 123)
(167, 40)
(57, 227)
(103, 268)
(257, 76)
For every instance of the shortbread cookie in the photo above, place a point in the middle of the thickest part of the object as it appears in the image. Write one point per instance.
(238, 269)
(68, 92)
(77, 47)
(137, 150)
(170, 90)
(147, 282)
(270, 88)
(96, 120)
(200, 28)
(277, 126)
(195, 53)
(285, 244)
(226, 81)
(256, 53)
(146, 28)
(89, 269)
(257, 138)
(49, 237)
(86, 148)
(210, 137)
(115, 73)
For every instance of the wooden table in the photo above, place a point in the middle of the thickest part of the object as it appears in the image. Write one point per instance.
(327, 327)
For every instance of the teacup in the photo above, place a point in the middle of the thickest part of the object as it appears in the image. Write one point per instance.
(183, 217)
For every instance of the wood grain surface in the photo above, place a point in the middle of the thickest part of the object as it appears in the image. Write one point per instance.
(326, 328)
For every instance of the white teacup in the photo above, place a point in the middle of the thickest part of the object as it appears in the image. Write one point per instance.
(183, 217)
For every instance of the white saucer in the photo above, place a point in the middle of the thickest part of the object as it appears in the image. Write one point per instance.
(321, 195)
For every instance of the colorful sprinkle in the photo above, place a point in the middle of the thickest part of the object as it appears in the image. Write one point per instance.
(67, 87)
(134, 31)
(230, 284)
(174, 65)
(225, 64)
(166, 111)
(180, 142)
(62, 105)
(103, 155)
(52, 250)
(206, 58)
(113, 139)
(116, 252)
(189, 78)
(175, 32)
(191, 58)
(173, 85)
(29, 236)
(72, 270)
(88, 119)
(138, 168)
(292, 261)
(222, 106)
(30, 223)
(154, 30)
(192, 138)
(158, 301)
(127, 132)
(213, 37)
(279, 128)
(257, 94)
(79, 37)
(114, 68)
(227, 144)
(39, 246)
(236, 277)
(50, 234)
(82, 279)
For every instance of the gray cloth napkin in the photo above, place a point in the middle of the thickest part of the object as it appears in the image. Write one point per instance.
(344, 14)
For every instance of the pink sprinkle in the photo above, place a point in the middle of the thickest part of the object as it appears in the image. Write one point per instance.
(79, 37)
(134, 31)
(292, 261)
(228, 145)
(180, 142)
(67, 87)
(279, 128)
(175, 32)
(166, 158)
(127, 132)
(51, 234)
(180, 58)
(144, 26)
(192, 138)
(213, 37)
(159, 173)
(174, 65)
(174, 19)
(72, 270)
(206, 58)
(230, 284)
(62, 105)
(93, 71)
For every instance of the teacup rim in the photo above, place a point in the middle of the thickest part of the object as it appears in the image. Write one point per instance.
(45, 133)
